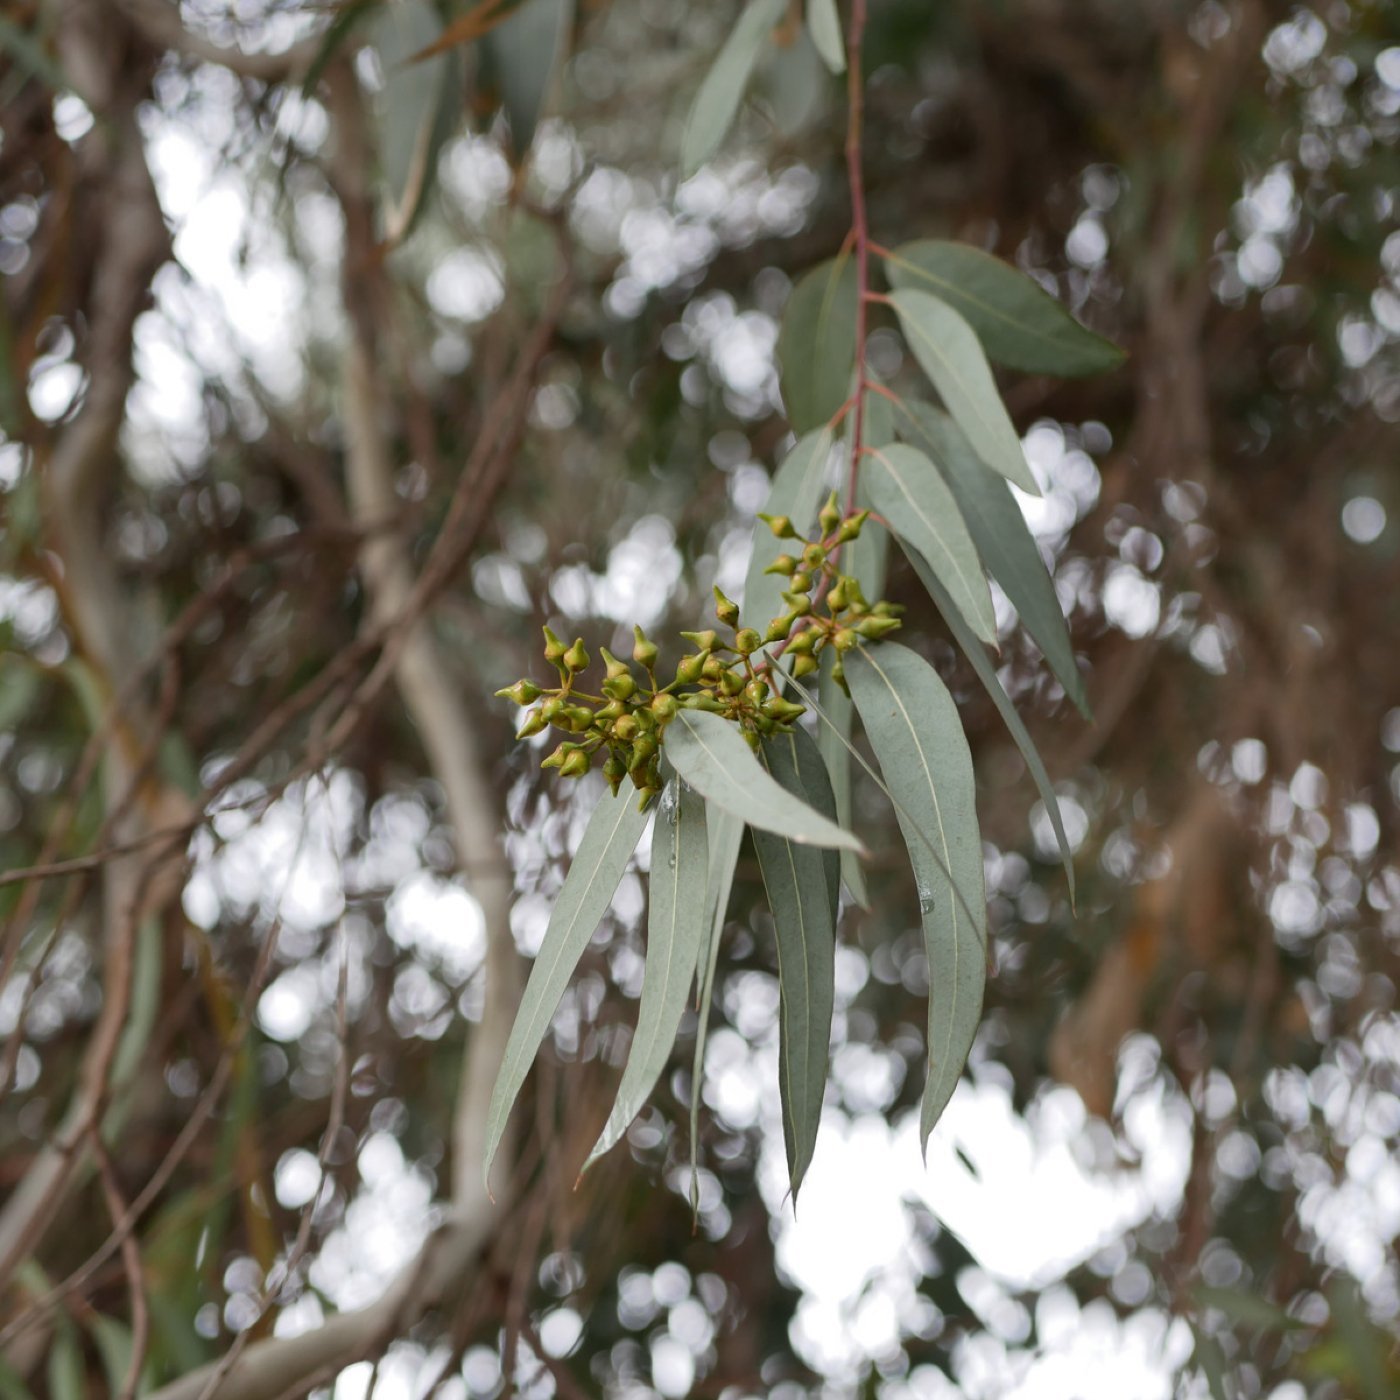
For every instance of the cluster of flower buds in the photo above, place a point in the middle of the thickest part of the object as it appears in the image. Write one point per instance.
(624, 724)
(824, 606)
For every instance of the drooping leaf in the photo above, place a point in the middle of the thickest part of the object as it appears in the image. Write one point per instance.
(524, 51)
(1002, 537)
(612, 835)
(824, 25)
(725, 833)
(1018, 322)
(680, 866)
(816, 343)
(878, 427)
(796, 492)
(987, 674)
(409, 107)
(717, 102)
(803, 884)
(906, 488)
(864, 558)
(708, 752)
(913, 727)
(791, 83)
(65, 1372)
(114, 1344)
(948, 351)
(333, 37)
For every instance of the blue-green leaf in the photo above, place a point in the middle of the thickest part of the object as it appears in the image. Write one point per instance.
(717, 102)
(816, 343)
(408, 106)
(1210, 1357)
(864, 558)
(802, 883)
(523, 52)
(948, 351)
(1018, 322)
(905, 487)
(1002, 537)
(987, 674)
(824, 25)
(710, 755)
(612, 835)
(914, 729)
(725, 833)
(797, 493)
(680, 866)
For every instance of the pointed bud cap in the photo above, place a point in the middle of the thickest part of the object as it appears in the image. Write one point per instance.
(643, 651)
(576, 658)
(830, 516)
(780, 525)
(726, 609)
(784, 564)
(575, 765)
(553, 647)
(850, 529)
(707, 640)
(804, 666)
(747, 641)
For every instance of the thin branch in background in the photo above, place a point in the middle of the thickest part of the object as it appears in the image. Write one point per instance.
(131, 1264)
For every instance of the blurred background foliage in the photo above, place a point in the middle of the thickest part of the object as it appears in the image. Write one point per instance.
(1207, 1048)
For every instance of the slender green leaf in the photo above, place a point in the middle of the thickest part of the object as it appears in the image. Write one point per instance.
(905, 487)
(612, 835)
(725, 833)
(816, 343)
(524, 52)
(66, 1372)
(948, 352)
(1018, 322)
(792, 82)
(878, 427)
(797, 493)
(1002, 537)
(708, 752)
(824, 25)
(717, 102)
(987, 674)
(803, 884)
(12, 1386)
(864, 558)
(680, 866)
(113, 1340)
(1210, 1357)
(335, 34)
(408, 106)
(1246, 1309)
(914, 729)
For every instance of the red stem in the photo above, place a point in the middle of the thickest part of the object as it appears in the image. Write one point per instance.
(860, 230)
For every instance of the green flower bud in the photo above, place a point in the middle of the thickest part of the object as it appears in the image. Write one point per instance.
(804, 666)
(883, 609)
(780, 525)
(620, 687)
(838, 597)
(643, 652)
(779, 628)
(576, 658)
(625, 728)
(747, 641)
(750, 738)
(614, 770)
(702, 700)
(703, 641)
(731, 682)
(756, 692)
(609, 714)
(664, 707)
(689, 668)
(579, 717)
(551, 708)
(522, 692)
(799, 603)
(845, 639)
(830, 516)
(850, 529)
(645, 748)
(712, 670)
(782, 711)
(803, 643)
(813, 557)
(838, 674)
(534, 722)
(784, 564)
(615, 667)
(801, 581)
(575, 766)
(553, 648)
(877, 627)
(726, 610)
(556, 759)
